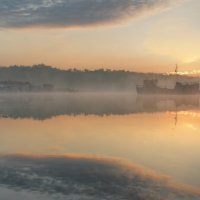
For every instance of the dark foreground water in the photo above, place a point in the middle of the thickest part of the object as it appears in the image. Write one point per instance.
(99, 147)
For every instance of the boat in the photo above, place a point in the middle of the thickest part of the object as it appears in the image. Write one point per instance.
(151, 87)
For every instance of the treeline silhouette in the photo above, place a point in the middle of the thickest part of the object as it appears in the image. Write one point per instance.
(44, 77)
(74, 79)
(71, 79)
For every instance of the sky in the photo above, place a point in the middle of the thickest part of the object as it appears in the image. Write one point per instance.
(135, 35)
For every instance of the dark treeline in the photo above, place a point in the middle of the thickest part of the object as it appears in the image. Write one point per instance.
(72, 79)
(77, 80)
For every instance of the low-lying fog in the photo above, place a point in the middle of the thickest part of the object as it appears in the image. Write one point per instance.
(47, 105)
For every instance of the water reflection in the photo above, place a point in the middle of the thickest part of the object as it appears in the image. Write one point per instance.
(161, 133)
(149, 139)
(78, 177)
(44, 106)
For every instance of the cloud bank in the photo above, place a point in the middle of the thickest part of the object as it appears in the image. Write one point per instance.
(72, 13)
(89, 178)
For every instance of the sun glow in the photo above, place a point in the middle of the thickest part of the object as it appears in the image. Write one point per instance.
(192, 59)
(194, 72)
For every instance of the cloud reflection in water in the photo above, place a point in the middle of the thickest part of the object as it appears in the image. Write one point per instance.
(86, 177)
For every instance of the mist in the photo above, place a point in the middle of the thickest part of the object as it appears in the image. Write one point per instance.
(41, 106)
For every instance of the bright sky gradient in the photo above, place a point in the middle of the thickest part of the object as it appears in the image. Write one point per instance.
(147, 36)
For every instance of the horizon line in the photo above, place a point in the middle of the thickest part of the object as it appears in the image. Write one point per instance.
(105, 69)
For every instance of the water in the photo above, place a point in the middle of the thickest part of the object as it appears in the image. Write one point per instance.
(99, 146)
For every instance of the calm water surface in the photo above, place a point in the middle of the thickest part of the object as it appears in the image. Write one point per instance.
(99, 146)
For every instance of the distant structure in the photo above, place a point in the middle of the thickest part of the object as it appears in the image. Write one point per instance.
(17, 86)
(48, 87)
(11, 86)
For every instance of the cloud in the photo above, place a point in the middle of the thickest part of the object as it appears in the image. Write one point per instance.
(85, 177)
(71, 13)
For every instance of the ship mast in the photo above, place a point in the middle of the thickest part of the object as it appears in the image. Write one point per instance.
(176, 72)
(176, 69)
(176, 116)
